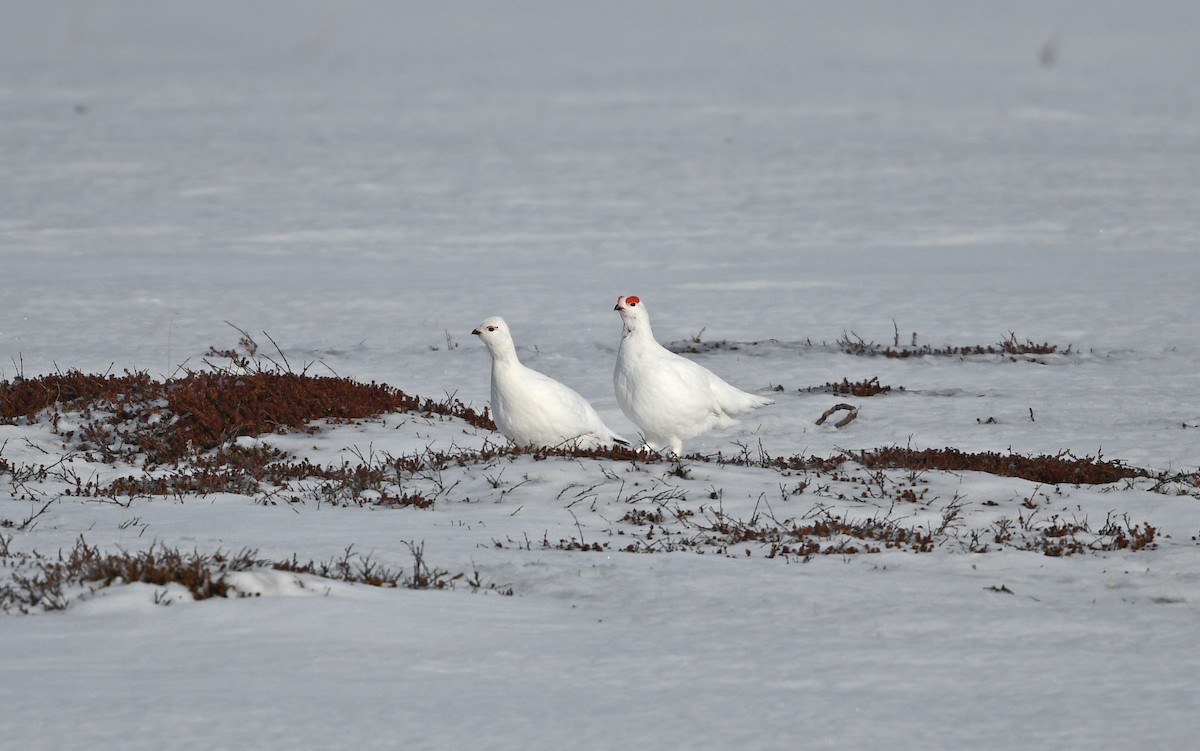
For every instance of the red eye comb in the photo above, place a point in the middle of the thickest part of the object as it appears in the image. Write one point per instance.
(632, 300)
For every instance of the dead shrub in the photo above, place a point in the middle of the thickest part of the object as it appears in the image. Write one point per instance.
(863, 388)
(852, 344)
(40, 583)
(164, 421)
(1063, 467)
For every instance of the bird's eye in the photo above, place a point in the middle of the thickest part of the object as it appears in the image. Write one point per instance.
(633, 305)
(491, 328)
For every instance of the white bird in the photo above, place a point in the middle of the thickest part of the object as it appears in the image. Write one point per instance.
(670, 397)
(532, 409)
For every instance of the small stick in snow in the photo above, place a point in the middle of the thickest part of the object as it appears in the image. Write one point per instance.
(850, 408)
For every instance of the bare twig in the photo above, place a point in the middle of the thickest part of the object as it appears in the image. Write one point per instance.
(852, 412)
(286, 364)
(577, 526)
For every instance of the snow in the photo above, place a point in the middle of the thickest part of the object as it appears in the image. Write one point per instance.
(366, 182)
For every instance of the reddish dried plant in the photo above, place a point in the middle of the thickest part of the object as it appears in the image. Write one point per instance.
(164, 421)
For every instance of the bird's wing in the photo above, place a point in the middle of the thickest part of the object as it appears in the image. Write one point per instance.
(576, 414)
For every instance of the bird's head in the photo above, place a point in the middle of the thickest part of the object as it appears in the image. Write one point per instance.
(494, 333)
(633, 313)
(629, 305)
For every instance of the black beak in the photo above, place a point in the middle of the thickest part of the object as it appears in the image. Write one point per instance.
(476, 332)
(617, 306)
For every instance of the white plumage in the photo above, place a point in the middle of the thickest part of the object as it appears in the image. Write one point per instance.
(532, 409)
(670, 397)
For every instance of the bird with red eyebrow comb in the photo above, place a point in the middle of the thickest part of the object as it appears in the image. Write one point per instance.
(670, 397)
(533, 409)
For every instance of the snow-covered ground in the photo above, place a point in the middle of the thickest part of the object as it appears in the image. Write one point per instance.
(365, 182)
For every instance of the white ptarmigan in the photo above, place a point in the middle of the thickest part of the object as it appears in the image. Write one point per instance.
(670, 397)
(533, 409)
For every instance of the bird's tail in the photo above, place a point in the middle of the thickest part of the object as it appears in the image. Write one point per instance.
(740, 402)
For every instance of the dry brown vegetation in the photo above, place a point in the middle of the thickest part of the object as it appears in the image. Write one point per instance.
(850, 343)
(864, 388)
(824, 533)
(1063, 467)
(853, 344)
(41, 583)
(164, 421)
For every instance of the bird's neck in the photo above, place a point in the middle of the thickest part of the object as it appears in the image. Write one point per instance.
(504, 357)
(636, 333)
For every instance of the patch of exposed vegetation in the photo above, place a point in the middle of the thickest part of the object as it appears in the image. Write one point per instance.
(1058, 537)
(376, 478)
(39, 583)
(864, 388)
(134, 416)
(858, 511)
(853, 344)
(696, 347)
(1063, 467)
(824, 532)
